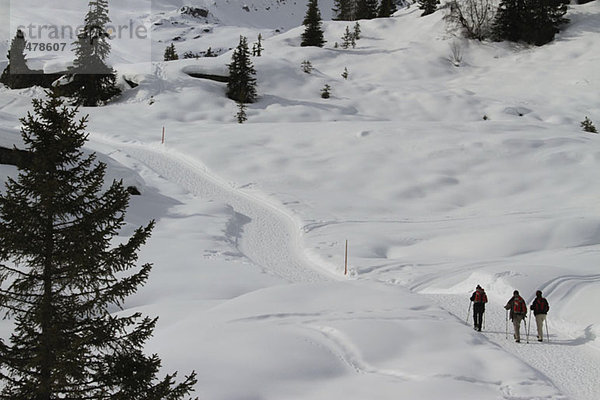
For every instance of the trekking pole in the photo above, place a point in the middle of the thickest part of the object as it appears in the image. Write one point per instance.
(484, 320)
(529, 326)
(526, 327)
(547, 334)
(506, 324)
(468, 312)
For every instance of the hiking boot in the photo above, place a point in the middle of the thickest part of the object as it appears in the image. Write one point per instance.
(518, 341)
(478, 329)
(540, 340)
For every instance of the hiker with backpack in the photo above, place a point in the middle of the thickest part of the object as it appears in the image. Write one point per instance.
(518, 312)
(540, 308)
(479, 298)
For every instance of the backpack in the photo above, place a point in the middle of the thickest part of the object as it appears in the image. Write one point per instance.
(541, 306)
(480, 297)
(519, 306)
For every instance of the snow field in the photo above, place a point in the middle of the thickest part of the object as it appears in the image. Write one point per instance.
(434, 200)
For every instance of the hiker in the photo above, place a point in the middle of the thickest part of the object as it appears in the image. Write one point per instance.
(518, 312)
(479, 298)
(540, 308)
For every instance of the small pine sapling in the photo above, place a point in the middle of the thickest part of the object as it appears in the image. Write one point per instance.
(326, 91)
(357, 31)
(349, 39)
(588, 126)
(345, 73)
(241, 114)
(258, 47)
(306, 66)
(171, 53)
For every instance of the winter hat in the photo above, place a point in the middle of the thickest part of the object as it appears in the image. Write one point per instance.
(478, 287)
(538, 293)
(516, 292)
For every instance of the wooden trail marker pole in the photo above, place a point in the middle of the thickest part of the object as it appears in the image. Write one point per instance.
(346, 260)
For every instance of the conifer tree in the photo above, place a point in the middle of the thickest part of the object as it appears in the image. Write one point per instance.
(313, 34)
(349, 39)
(357, 31)
(94, 81)
(386, 8)
(171, 53)
(241, 86)
(366, 9)
(531, 21)
(343, 10)
(15, 75)
(16, 54)
(241, 114)
(428, 6)
(61, 275)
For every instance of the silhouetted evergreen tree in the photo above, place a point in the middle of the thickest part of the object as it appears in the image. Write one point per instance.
(241, 86)
(531, 21)
(171, 53)
(313, 34)
(343, 10)
(60, 278)
(94, 82)
(428, 6)
(366, 9)
(386, 8)
(17, 74)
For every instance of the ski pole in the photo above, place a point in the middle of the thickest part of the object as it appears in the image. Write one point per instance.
(468, 312)
(526, 326)
(483, 319)
(506, 324)
(529, 327)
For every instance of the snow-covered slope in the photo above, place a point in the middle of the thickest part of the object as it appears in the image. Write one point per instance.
(433, 199)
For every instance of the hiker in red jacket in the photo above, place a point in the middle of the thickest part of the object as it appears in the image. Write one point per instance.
(479, 298)
(540, 308)
(518, 312)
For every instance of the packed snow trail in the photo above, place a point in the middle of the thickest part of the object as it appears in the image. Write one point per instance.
(568, 362)
(271, 239)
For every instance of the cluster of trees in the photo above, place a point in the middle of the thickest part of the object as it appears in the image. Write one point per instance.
(91, 81)
(351, 10)
(530, 21)
(61, 275)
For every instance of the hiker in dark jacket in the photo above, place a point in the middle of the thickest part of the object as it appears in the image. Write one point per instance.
(518, 312)
(479, 299)
(540, 308)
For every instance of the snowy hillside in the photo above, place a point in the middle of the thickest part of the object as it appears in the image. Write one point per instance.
(440, 175)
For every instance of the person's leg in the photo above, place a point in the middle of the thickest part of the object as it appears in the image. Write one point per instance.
(539, 320)
(517, 325)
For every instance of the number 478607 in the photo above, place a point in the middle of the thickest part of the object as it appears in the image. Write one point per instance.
(46, 46)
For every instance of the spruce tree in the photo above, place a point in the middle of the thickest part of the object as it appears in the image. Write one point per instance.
(428, 6)
(171, 53)
(94, 82)
(531, 21)
(241, 86)
(61, 275)
(366, 9)
(343, 10)
(386, 8)
(16, 54)
(313, 34)
(17, 74)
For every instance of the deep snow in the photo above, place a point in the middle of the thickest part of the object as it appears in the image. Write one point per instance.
(252, 219)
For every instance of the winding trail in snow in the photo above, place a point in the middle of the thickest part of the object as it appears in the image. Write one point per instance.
(271, 238)
(569, 362)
